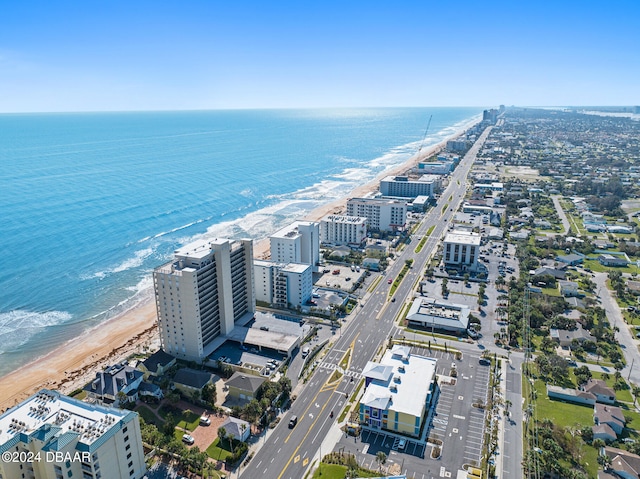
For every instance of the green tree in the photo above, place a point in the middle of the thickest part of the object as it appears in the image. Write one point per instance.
(381, 459)
(209, 395)
(169, 425)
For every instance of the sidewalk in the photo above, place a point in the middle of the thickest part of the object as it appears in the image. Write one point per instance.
(503, 392)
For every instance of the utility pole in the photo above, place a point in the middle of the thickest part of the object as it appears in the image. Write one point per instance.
(631, 369)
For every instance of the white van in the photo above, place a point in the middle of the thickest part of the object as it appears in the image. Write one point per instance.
(305, 351)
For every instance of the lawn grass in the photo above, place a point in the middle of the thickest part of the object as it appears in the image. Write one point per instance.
(561, 413)
(80, 396)
(187, 421)
(551, 292)
(564, 414)
(330, 471)
(148, 416)
(595, 265)
(336, 471)
(219, 452)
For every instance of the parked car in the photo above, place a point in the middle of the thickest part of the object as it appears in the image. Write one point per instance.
(188, 439)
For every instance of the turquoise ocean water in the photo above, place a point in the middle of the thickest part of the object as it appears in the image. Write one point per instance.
(90, 203)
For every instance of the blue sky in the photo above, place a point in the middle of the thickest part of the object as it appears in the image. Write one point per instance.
(157, 55)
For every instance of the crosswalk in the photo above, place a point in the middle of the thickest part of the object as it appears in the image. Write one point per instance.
(332, 367)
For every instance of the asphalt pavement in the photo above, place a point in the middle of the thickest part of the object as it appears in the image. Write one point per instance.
(289, 452)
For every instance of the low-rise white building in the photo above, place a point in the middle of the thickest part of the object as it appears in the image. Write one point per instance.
(298, 242)
(439, 315)
(339, 230)
(382, 213)
(286, 285)
(52, 436)
(461, 250)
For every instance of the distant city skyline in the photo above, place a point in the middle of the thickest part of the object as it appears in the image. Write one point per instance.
(118, 56)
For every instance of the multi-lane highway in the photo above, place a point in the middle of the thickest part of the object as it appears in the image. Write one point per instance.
(289, 452)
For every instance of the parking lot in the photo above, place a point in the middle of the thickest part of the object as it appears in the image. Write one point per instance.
(457, 421)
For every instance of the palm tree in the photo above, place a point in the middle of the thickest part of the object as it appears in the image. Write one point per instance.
(185, 415)
(222, 434)
(636, 394)
(381, 459)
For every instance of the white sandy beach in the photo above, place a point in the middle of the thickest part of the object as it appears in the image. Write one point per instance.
(73, 364)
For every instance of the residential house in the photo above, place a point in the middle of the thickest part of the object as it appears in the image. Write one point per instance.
(613, 260)
(237, 428)
(633, 287)
(603, 393)
(570, 395)
(611, 415)
(116, 379)
(150, 390)
(371, 263)
(571, 259)
(604, 432)
(568, 288)
(189, 380)
(156, 364)
(565, 337)
(243, 386)
(623, 463)
(547, 271)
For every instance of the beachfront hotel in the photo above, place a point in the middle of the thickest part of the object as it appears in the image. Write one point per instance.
(298, 242)
(285, 285)
(343, 230)
(403, 187)
(398, 391)
(202, 294)
(52, 436)
(383, 214)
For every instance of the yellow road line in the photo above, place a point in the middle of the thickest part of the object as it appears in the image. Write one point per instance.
(295, 453)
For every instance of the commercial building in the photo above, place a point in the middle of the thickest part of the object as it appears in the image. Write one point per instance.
(403, 187)
(436, 167)
(382, 213)
(285, 285)
(461, 250)
(343, 230)
(202, 293)
(439, 315)
(298, 242)
(71, 438)
(399, 390)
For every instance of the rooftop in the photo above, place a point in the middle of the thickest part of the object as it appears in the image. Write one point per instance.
(407, 387)
(462, 237)
(49, 414)
(291, 231)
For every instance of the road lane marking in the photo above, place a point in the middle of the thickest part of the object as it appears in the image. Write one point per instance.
(308, 430)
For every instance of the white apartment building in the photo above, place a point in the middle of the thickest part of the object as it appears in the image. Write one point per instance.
(382, 213)
(287, 285)
(52, 436)
(403, 187)
(298, 242)
(202, 293)
(343, 230)
(461, 250)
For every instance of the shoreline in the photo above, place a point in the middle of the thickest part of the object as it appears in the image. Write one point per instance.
(74, 363)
